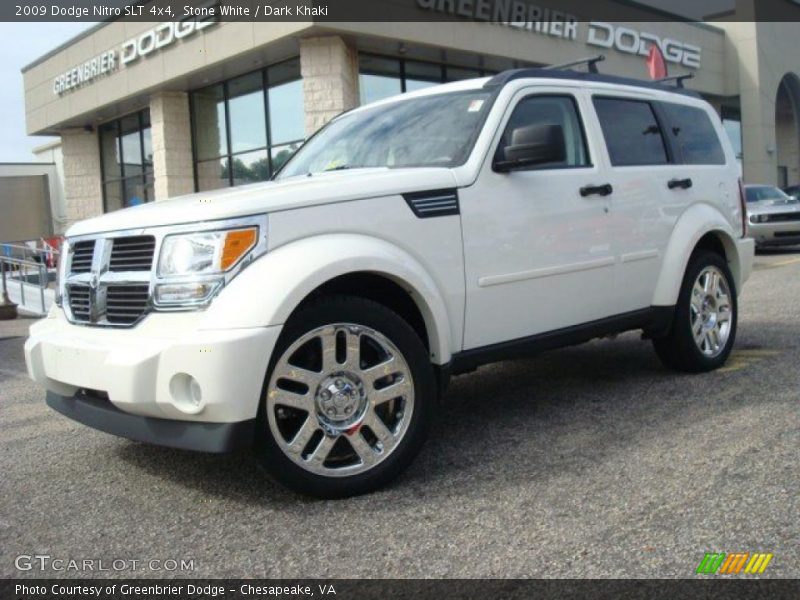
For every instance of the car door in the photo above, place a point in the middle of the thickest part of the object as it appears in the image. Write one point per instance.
(642, 164)
(538, 255)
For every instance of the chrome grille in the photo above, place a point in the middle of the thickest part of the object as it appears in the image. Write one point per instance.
(108, 283)
(82, 253)
(79, 302)
(126, 303)
(133, 253)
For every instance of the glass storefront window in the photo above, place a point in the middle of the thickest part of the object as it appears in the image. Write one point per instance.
(126, 155)
(286, 118)
(381, 77)
(732, 123)
(240, 123)
(419, 75)
(247, 113)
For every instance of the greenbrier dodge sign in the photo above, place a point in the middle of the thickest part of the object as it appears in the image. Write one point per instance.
(544, 21)
(153, 40)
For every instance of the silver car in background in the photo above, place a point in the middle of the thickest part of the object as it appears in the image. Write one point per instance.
(774, 216)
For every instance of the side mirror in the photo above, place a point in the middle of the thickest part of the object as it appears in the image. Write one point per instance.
(532, 145)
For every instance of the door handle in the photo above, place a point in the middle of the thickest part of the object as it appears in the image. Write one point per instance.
(679, 183)
(599, 190)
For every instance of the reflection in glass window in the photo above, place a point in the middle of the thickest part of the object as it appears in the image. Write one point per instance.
(549, 111)
(431, 131)
(732, 123)
(210, 126)
(126, 155)
(239, 124)
(631, 131)
(247, 113)
(378, 87)
(286, 117)
(695, 135)
(382, 77)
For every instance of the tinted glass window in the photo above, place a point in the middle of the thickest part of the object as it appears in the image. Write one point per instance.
(631, 132)
(247, 127)
(695, 135)
(247, 113)
(126, 152)
(559, 111)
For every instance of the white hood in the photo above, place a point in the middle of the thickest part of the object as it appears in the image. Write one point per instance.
(271, 196)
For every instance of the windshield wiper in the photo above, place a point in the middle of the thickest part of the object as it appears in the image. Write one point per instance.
(339, 168)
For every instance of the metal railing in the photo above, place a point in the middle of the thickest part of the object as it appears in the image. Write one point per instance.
(25, 266)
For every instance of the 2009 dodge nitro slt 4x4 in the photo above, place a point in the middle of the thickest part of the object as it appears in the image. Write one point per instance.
(319, 316)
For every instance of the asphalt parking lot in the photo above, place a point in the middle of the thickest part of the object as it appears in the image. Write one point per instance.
(592, 461)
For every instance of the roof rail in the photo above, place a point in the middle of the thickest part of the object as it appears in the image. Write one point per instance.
(589, 61)
(678, 79)
(505, 77)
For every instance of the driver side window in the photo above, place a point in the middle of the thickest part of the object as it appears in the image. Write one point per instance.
(559, 115)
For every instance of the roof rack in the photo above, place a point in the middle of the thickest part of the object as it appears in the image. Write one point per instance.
(678, 79)
(589, 61)
(503, 78)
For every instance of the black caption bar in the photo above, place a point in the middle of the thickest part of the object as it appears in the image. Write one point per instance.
(509, 11)
(377, 589)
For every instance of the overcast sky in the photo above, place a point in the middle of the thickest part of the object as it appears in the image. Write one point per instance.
(20, 44)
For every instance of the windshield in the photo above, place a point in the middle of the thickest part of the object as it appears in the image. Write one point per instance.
(757, 193)
(431, 131)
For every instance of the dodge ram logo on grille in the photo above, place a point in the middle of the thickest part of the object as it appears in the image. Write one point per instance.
(108, 280)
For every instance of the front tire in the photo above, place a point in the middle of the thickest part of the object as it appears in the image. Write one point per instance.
(704, 326)
(348, 398)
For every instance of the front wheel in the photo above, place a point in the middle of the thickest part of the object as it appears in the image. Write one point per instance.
(704, 326)
(349, 396)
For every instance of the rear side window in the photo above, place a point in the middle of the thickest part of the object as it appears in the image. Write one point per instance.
(632, 133)
(694, 135)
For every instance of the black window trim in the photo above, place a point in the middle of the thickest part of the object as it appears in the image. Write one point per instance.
(122, 178)
(581, 122)
(403, 76)
(660, 120)
(230, 154)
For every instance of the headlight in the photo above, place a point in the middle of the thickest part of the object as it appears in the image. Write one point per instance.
(204, 253)
(759, 218)
(192, 267)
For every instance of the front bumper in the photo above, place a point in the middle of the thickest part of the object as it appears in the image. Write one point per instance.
(204, 437)
(141, 371)
(775, 234)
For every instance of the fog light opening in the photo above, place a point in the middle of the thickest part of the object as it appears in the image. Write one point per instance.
(187, 395)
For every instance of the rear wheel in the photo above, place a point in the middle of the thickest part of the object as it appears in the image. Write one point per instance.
(704, 327)
(348, 398)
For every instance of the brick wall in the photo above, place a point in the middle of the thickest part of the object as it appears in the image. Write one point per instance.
(83, 192)
(172, 144)
(330, 79)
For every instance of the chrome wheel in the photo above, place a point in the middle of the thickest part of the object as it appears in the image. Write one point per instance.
(340, 400)
(711, 311)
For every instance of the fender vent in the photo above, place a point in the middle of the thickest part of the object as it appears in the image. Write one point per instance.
(435, 203)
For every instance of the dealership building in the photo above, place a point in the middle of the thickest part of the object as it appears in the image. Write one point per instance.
(149, 111)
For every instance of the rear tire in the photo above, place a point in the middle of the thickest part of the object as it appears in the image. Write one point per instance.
(349, 396)
(703, 330)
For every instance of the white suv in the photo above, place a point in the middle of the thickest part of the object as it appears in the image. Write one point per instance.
(319, 316)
